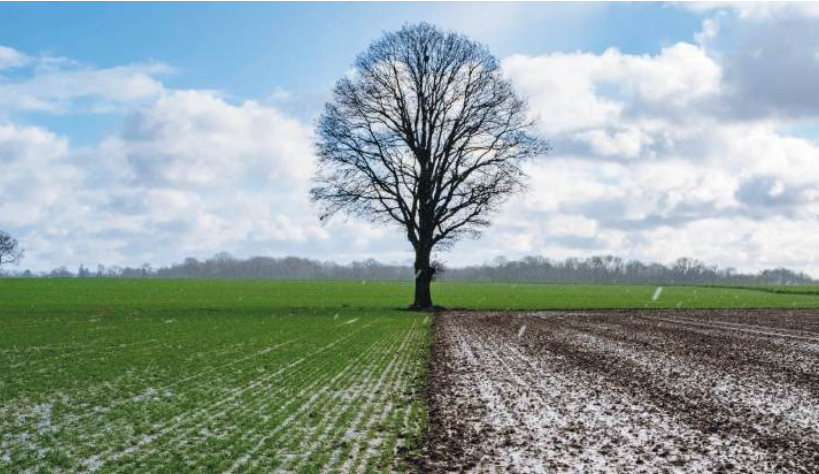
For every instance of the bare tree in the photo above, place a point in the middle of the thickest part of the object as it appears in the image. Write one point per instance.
(426, 133)
(10, 251)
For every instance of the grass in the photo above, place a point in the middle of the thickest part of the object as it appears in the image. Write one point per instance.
(181, 376)
(786, 289)
(178, 376)
(66, 298)
(562, 296)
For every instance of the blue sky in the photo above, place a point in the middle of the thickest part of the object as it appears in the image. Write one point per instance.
(251, 50)
(134, 133)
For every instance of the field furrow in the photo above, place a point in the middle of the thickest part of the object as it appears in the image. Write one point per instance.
(611, 392)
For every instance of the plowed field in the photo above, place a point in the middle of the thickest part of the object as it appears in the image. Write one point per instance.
(633, 391)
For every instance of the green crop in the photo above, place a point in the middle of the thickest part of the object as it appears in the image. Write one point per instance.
(182, 376)
(178, 376)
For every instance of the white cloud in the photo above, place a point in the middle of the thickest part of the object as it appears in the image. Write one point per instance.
(767, 53)
(678, 75)
(11, 58)
(687, 152)
(758, 10)
(213, 174)
(189, 174)
(657, 158)
(626, 143)
(579, 91)
(561, 90)
(54, 84)
(196, 139)
(35, 177)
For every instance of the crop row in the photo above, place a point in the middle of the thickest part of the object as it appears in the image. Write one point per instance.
(320, 394)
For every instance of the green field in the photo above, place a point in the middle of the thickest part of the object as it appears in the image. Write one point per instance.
(179, 376)
(114, 375)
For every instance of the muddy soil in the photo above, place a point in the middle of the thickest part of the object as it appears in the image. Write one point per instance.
(625, 392)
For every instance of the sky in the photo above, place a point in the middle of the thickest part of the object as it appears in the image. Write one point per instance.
(148, 133)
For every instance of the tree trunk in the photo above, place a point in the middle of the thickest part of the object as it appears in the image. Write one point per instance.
(426, 226)
(423, 280)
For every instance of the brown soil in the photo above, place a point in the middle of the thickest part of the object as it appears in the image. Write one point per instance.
(630, 392)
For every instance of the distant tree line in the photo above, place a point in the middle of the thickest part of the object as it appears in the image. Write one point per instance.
(598, 269)
(610, 269)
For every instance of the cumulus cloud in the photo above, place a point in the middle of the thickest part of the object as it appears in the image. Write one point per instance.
(11, 58)
(707, 148)
(35, 177)
(56, 85)
(758, 10)
(770, 65)
(685, 152)
(216, 173)
(193, 139)
(188, 174)
(39, 188)
(574, 91)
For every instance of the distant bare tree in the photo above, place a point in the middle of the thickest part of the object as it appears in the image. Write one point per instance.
(10, 251)
(427, 133)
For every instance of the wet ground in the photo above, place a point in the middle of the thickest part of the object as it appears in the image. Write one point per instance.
(630, 392)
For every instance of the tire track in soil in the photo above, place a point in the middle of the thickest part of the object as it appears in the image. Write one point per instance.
(549, 401)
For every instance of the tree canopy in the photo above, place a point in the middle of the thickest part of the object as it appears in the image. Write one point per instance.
(426, 133)
(10, 251)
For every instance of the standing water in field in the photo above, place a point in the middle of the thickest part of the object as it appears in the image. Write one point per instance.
(657, 293)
